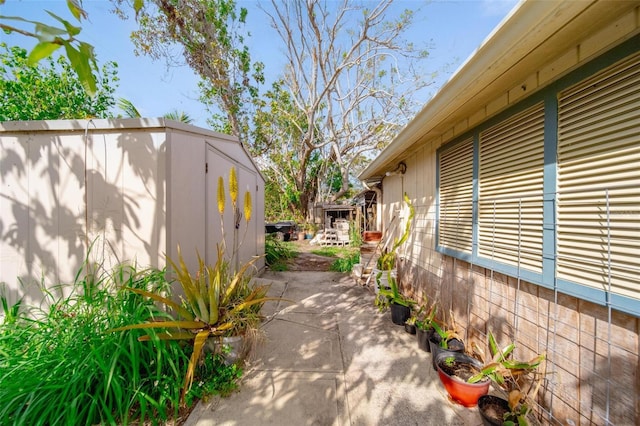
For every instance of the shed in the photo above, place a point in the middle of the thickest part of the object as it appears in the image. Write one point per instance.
(131, 189)
(524, 171)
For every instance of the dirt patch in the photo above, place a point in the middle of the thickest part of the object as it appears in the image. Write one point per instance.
(307, 261)
(310, 262)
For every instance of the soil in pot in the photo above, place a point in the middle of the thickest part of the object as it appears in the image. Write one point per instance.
(492, 410)
(453, 345)
(399, 313)
(454, 368)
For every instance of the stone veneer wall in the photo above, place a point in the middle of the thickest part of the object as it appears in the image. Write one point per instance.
(590, 359)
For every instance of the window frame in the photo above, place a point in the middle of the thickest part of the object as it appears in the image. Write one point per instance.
(549, 97)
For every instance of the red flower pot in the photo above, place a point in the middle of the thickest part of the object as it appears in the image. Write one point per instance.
(464, 393)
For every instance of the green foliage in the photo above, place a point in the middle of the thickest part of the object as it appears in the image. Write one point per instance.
(277, 253)
(345, 264)
(355, 234)
(426, 322)
(11, 313)
(328, 251)
(212, 36)
(51, 90)
(214, 377)
(50, 38)
(390, 295)
(218, 302)
(64, 368)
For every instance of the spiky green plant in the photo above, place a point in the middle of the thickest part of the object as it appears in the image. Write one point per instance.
(218, 302)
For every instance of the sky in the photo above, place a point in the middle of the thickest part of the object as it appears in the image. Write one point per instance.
(453, 30)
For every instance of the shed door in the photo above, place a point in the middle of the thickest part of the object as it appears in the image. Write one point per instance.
(219, 164)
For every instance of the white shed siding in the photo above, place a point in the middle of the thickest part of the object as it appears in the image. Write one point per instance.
(146, 191)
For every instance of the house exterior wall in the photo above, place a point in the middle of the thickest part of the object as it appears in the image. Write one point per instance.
(146, 189)
(593, 349)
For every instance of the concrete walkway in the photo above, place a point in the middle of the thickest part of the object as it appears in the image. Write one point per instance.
(332, 359)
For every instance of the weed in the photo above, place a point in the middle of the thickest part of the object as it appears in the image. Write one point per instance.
(345, 264)
(214, 377)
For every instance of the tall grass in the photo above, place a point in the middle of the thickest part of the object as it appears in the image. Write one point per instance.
(66, 368)
(277, 253)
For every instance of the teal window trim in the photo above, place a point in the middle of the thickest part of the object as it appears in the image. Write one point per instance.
(548, 95)
(550, 186)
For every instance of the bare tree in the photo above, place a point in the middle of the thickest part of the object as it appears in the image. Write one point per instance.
(352, 77)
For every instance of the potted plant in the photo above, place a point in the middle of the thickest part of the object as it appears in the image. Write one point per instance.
(219, 301)
(444, 339)
(410, 325)
(466, 379)
(399, 304)
(386, 264)
(521, 380)
(455, 369)
(424, 329)
(218, 304)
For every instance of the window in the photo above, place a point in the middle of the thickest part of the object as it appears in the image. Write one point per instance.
(510, 190)
(549, 190)
(598, 207)
(456, 197)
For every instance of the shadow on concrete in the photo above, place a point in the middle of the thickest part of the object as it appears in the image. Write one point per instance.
(331, 359)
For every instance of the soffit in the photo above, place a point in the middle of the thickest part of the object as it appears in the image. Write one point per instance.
(534, 33)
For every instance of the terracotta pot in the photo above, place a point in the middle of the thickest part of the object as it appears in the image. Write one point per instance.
(466, 394)
(371, 236)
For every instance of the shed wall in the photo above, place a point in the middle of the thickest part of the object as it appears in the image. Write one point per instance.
(145, 188)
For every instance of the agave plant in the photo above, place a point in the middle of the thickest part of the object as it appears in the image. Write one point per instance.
(217, 302)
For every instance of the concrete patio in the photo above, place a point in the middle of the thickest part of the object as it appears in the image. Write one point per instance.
(332, 359)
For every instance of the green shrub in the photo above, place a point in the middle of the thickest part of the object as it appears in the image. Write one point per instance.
(214, 377)
(277, 253)
(328, 251)
(345, 264)
(64, 368)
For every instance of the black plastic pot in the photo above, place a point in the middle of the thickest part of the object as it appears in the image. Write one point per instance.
(454, 345)
(423, 337)
(492, 410)
(410, 328)
(399, 314)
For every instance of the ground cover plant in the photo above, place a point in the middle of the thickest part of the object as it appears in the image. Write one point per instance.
(346, 257)
(345, 264)
(65, 367)
(277, 253)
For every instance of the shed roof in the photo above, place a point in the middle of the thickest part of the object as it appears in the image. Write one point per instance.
(123, 124)
(529, 37)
